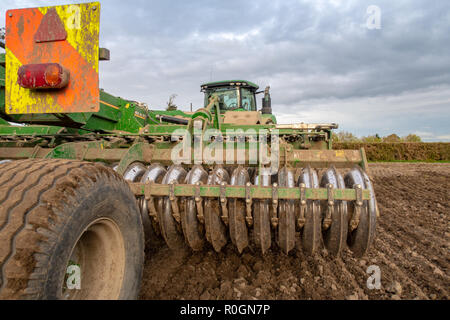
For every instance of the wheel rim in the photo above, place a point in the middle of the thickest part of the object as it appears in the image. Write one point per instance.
(100, 255)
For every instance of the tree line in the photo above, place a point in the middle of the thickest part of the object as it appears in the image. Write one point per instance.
(344, 136)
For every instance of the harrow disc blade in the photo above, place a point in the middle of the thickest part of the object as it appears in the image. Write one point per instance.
(286, 213)
(335, 236)
(312, 230)
(169, 227)
(216, 231)
(360, 239)
(192, 229)
(236, 211)
(261, 214)
(134, 172)
(154, 174)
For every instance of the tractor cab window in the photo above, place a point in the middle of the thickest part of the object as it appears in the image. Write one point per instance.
(231, 98)
(228, 98)
(248, 100)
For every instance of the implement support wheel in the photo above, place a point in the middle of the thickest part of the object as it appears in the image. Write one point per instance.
(68, 230)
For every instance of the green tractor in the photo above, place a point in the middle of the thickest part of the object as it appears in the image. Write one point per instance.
(88, 179)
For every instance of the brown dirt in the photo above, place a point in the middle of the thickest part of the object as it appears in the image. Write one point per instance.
(411, 249)
(395, 151)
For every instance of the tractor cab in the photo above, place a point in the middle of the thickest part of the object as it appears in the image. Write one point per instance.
(234, 95)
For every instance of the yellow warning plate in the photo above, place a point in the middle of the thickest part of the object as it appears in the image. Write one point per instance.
(67, 35)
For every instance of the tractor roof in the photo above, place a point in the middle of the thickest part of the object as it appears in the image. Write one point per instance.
(242, 83)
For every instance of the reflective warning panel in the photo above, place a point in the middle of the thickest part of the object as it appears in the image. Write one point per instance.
(52, 58)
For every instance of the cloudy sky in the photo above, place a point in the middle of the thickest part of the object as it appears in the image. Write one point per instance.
(326, 61)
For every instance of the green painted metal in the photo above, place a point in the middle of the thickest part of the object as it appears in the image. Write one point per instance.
(364, 163)
(2, 70)
(153, 130)
(25, 152)
(136, 152)
(2, 88)
(231, 83)
(162, 152)
(74, 150)
(270, 117)
(256, 192)
(125, 131)
(34, 130)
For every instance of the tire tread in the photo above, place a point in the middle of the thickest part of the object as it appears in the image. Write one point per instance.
(32, 217)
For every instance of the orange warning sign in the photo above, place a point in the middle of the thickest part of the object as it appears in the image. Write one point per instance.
(64, 36)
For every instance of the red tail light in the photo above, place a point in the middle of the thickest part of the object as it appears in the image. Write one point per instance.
(43, 76)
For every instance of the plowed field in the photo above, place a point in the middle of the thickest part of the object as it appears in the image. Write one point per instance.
(411, 249)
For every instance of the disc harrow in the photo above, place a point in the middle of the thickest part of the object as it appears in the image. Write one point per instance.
(252, 208)
(225, 191)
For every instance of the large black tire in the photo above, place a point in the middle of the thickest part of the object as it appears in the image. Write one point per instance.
(56, 211)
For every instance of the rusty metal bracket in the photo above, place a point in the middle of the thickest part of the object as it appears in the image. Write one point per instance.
(85, 151)
(35, 151)
(358, 207)
(150, 202)
(248, 204)
(301, 219)
(274, 218)
(174, 202)
(151, 209)
(199, 203)
(238, 192)
(327, 220)
(142, 205)
(223, 202)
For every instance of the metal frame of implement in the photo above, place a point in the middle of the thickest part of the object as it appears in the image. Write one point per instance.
(243, 192)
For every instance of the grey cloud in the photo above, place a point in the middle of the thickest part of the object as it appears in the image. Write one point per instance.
(318, 56)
